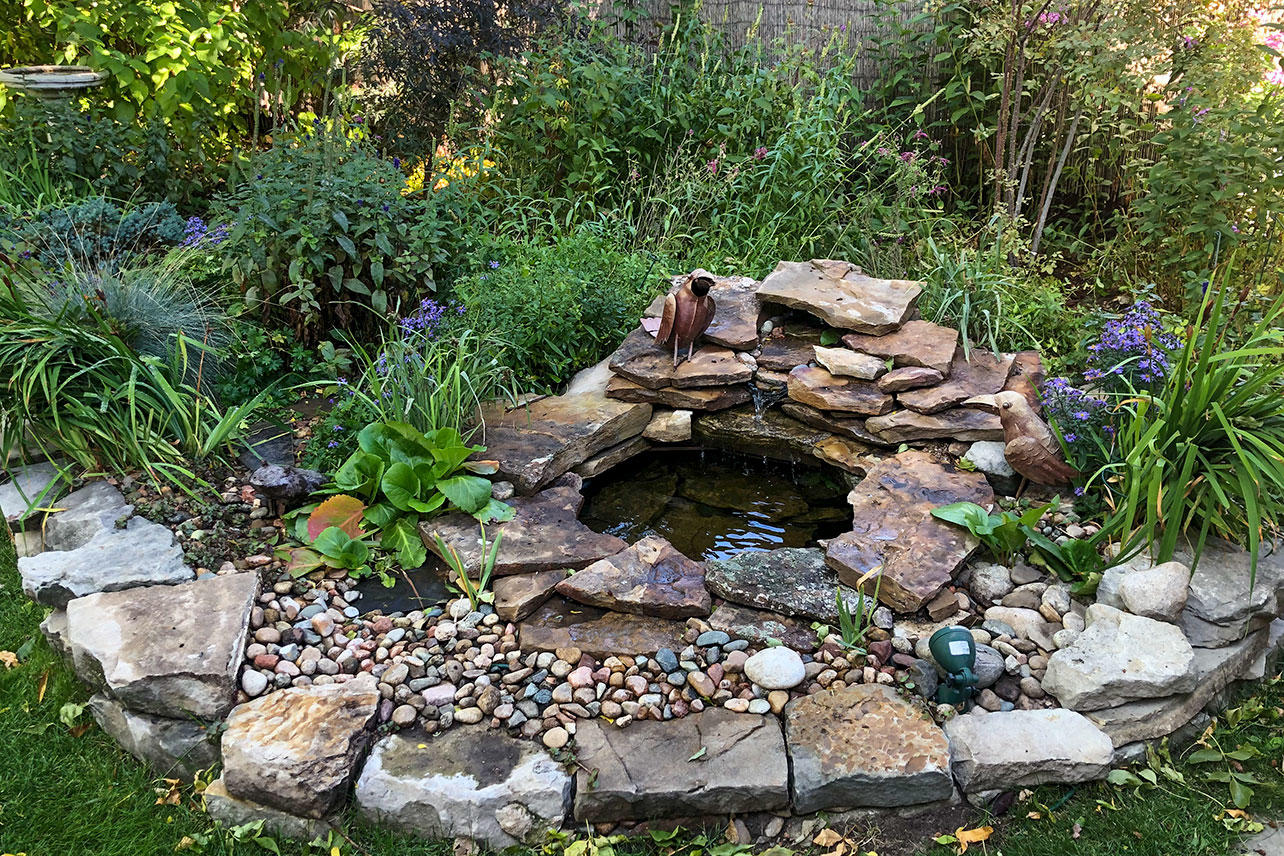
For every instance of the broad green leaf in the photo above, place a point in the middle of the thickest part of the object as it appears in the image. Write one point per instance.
(402, 538)
(401, 486)
(467, 493)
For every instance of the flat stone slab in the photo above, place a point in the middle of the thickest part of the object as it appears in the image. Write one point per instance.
(959, 423)
(849, 363)
(297, 749)
(980, 374)
(908, 377)
(893, 528)
(1120, 658)
(649, 578)
(850, 427)
(171, 747)
(494, 789)
(642, 361)
(762, 627)
(536, 443)
(789, 346)
(612, 457)
(596, 633)
(916, 343)
(1222, 604)
(26, 488)
(736, 308)
(142, 554)
(518, 595)
(1215, 669)
(544, 535)
(771, 433)
(1024, 748)
(862, 746)
(232, 812)
(97, 507)
(649, 770)
(840, 295)
(706, 398)
(818, 388)
(791, 580)
(669, 426)
(168, 650)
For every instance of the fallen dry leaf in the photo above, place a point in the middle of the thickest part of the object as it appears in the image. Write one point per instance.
(41, 686)
(8, 659)
(826, 838)
(170, 795)
(972, 836)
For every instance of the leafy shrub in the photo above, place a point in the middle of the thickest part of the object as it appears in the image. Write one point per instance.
(558, 307)
(93, 234)
(321, 236)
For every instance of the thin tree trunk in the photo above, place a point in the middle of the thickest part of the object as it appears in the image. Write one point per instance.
(1050, 189)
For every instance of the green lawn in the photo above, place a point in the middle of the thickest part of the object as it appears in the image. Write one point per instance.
(71, 791)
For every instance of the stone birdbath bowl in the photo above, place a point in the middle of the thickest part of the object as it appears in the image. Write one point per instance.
(51, 81)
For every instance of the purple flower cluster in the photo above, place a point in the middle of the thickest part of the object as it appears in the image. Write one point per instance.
(197, 233)
(1132, 350)
(1080, 416)
(429, 317)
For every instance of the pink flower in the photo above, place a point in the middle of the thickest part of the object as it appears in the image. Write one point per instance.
(712, 165)
(920, 134)
(760, 153)
(909, 157)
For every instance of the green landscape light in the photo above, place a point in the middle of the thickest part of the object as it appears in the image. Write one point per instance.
(955, 651)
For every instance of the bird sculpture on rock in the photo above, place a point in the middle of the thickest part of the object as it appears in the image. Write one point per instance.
(1028, 443)
(687, 314)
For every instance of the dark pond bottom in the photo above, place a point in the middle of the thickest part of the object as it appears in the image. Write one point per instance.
(712, 505)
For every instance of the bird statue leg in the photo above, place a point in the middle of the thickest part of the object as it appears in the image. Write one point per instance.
(690, 351)
(675, 352)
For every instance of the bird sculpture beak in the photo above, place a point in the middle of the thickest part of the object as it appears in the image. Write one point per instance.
(982, 402)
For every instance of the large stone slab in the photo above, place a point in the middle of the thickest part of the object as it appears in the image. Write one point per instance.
(736, 308)
(763, 627)
(852, 428)
(518, 595)
(95, 508)
(893, 528)
(818, 388)
(1157, 592)
(559, 624)
(981, 373)
(536, 443)
(651, 770)
(142, 554)
(1023, 748)
(916, 343)
(793, 581)
(1224, 603)
(612, 457)
(861, 746)
(491, 788)
(642, 361)
(168, 650)
(1119, 658)
(171, 747)
(544, 535)
(839, 294)
(233, 812)
(25, 488)
(649, 578)
(771, 433)
(297, 749)
(789, 346)
(706, 398)
(1215, 669)
(959, 423)
(849, 363)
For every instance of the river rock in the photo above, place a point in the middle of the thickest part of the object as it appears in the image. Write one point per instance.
(26, 488)
(710, 763)
(908, 377)
(791, 580)
(989, 582)
(669, 426)
(493, 789)
(1028, 624)
(959, 423)
(1023, 748)
(518, 595)
(893, 528)
(988, 457)
(1120, 658)
(168, 650)
(544, 534)
(818, 388)
(916, 343)
(561, 624)
(297, 749)
(97, 507)
(777, 668)
(649, 578)
(233, 812)
(142, 554)
(736, 309)
(845, 362)
(705, 398)
(839, 294)
(171, 747)
(762, 627)
(861, 746)
(1157, 592)
(980, 373)
(537, 442)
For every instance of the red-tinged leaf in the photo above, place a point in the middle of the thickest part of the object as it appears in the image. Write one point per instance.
(342, 511)
(78, 730)
(482, 468)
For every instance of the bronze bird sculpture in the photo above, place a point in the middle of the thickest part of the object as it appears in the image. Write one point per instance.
(1028, 443)
(687, 314)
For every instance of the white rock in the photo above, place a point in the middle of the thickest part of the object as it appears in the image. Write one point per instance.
(987, 456)
(669, 426)
(253, 682)
(1022, 748)
(778, 668)
(990, 582)
(1157, 592)
(94, 508)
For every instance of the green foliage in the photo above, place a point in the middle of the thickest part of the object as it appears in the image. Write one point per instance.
(1076, 561)
(1003, 534)
(853, 622)
(322, 237)
(476, 592)
(92, 233)
(1205, 455)
(257, 358)
(556, 308)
